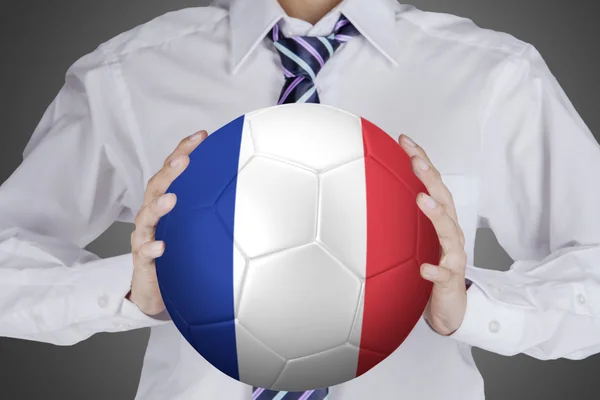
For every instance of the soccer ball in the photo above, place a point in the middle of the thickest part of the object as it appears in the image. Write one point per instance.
(292, 255)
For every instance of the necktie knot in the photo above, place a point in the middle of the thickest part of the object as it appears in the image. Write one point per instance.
(302, 58)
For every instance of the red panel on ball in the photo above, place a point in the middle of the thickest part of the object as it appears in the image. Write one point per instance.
(398, 240)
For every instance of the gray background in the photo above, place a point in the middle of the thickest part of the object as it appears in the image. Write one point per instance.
(40, 39)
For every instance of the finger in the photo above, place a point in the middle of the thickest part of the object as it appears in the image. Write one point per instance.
(159, 183)
(447, 230)
(148, 217)
(456, 262)
(173, 166)
(145, 255)
(436, 274)
(426, 171)
(436, 188)
(430, 176)
(186, 146)
(412, 149)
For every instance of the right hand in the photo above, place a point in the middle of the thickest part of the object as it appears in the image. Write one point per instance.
(144, 286)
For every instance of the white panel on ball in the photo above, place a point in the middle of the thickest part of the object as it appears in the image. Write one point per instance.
(275, 207)
(312, 135)
(239, 269)
(328, 368)
(284, 296)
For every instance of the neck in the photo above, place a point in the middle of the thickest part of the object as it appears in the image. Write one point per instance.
(308, 10)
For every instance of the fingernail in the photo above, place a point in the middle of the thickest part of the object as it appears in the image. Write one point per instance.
(431, 270)
(429, 201)
(196, 136)
(423, 166)
(176, 162)
(409, 141)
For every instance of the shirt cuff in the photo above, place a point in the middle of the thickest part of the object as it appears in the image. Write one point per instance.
(131, 317)
(490, 325)
(101, 300)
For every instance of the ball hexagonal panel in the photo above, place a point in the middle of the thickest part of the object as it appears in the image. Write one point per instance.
(313, 135)
(275, 206)
(258, 364)
(379, 146)
(288, 298)
(342, 215)
(328, 368)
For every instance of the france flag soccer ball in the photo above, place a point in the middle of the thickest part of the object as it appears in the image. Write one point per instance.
(292, 255)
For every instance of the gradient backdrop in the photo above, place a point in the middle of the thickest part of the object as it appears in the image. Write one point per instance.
(39, 40)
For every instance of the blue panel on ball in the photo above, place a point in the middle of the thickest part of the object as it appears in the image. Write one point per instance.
(196, 269)
(213, 165)
(213, 342)
(195, 273)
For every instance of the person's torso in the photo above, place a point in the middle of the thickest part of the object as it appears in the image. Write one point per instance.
(436, 94)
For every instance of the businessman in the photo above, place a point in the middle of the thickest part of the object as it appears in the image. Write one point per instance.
(489, 131)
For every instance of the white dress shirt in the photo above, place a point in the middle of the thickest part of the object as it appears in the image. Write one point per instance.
(484, 105)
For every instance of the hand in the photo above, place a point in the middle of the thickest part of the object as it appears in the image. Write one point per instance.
(447, 304)
(144, 286)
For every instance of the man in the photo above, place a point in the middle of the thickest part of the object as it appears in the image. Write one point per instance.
(499, 145)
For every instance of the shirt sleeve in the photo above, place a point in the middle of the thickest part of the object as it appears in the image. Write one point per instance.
(540, 194)
(77, 177)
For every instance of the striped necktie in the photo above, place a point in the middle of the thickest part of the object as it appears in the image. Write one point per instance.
(302, 58)
(263, 394)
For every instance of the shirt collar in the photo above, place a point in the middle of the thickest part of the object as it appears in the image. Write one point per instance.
(250, 21)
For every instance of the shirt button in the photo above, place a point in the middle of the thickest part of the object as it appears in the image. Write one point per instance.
(103, 301)
(494, 327)
(581, 298)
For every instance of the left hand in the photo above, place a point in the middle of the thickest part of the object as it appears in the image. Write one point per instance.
(447, 304)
